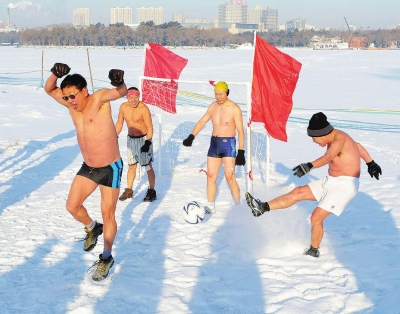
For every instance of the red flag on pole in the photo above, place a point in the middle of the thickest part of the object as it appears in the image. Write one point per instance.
(161, 63)
(275, 75)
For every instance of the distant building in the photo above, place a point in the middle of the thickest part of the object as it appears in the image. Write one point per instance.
(238, 28)
(81, 17)
(121, 15)
(270, 19)
(2, 26)
(229, 13)
(177, 17)
(150, 14)
(254, 15)
(294, 24)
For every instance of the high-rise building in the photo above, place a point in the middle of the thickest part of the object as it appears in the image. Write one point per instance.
(150, 14)
(81, 17)
(177, 17)
(297, 23)
(238, 2)
(121, 15)
(254, 15)
(232, 13)
(270, 19)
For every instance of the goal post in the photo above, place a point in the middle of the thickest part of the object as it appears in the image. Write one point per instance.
(183, 103)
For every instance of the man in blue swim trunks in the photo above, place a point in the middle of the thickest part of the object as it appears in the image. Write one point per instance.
(97, 139)
(226, 117)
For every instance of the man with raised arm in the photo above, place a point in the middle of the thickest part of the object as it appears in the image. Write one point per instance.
(140, 149)
(226, 117)
(333, 192)
(102, 166)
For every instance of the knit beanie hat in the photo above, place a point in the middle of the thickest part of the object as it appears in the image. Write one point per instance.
(319, 125)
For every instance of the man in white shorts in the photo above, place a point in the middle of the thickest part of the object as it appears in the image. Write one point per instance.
(336, 190)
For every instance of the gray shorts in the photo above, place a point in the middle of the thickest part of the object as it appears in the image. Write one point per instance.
(134, 145)
(334, 193)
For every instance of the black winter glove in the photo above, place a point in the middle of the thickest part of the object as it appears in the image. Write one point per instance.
(374, 170)
(116, 77)
(188, 142)
(240, 159)
(302, 169)
(60, 69)
(145, 148)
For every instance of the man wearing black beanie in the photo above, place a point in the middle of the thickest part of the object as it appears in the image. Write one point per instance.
(335, 191)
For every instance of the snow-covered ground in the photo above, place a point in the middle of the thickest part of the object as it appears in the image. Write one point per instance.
(231, 262)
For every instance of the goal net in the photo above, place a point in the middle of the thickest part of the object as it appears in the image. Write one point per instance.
(176, 106)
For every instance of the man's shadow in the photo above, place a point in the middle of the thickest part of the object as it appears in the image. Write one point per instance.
(31, 179)
(34, 286)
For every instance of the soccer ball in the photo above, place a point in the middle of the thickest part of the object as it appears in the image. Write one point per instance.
(193, 212)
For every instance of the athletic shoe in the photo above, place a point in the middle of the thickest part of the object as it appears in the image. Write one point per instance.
(209, 210)
(311, 251)
(103, 267)
(257, 207)
(151, 195)
(91, 237)
(128, 193)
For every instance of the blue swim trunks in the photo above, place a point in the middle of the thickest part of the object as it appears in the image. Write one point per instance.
(222, 147)
(108, 176)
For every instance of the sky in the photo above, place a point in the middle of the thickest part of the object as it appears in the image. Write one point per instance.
(231, 262)
(319, 13)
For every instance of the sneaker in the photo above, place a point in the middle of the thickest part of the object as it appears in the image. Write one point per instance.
(128, 193)
(209, 210)
(103, 268)
(257, 207)
(91, 237)
(311, 251)
(151, 195)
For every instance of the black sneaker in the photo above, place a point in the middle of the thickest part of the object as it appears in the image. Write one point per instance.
(151, 195)
(311, 251)
(103, 268)
(257, 207)
(91, 237)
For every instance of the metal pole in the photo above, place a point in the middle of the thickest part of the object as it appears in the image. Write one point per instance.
(90, 70)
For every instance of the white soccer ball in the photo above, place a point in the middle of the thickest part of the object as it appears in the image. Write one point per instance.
(193, 212)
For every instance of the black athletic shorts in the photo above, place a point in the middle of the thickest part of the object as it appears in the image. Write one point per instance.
(108, 176)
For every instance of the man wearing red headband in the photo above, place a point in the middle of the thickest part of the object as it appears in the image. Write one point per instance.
(140, 149)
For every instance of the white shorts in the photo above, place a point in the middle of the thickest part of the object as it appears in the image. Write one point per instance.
(334, 193)
(134, 145)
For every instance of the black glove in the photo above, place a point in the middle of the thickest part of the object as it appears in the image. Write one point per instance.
(60, 69)
(188, 142)
(374, 170)
(145, 148)
(240, 160)
(302, 169)
(116, 77)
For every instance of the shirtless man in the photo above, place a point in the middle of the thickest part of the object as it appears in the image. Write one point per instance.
(97, 139)
(335, 191)
(226, 118)
(139, 146)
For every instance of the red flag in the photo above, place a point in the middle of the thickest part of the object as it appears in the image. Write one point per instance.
(275, 75)
(161, 63)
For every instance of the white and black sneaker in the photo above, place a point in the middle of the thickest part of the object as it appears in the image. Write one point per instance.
(209, 210)
(314, 252)
(257, 207)
(103, 268)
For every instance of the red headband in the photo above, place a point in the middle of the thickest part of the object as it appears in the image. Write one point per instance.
(132, 92)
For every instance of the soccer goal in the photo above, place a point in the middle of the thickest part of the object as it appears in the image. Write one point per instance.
(177, 105)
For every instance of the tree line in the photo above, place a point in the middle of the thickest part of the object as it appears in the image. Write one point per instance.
(173, 34)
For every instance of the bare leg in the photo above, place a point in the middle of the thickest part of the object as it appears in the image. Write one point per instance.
(80, 189)
(229, 169)
(317, 227)
(298, 194)
(109, 197)
(213, 166)
(151, 176)
(131, 175)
